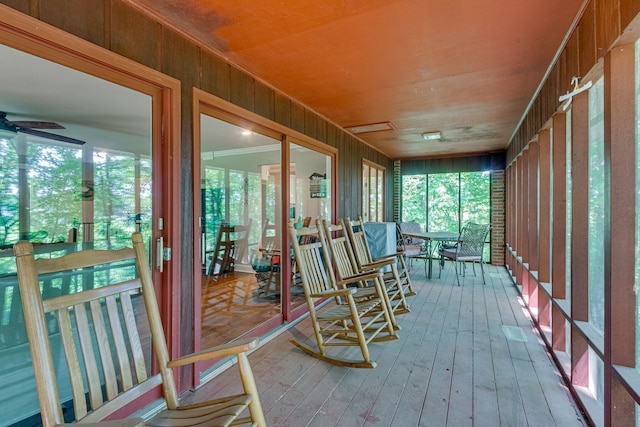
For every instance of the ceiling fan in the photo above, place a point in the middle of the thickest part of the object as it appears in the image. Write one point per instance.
(9, 129)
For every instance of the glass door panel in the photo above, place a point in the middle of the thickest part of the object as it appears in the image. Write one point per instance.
(365, 192)
(240, 233)
(311, 198)
(373, 177)
(85, 183)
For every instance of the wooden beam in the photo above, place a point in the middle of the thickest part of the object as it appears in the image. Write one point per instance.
(620, 260)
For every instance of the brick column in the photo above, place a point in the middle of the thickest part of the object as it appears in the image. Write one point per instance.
(397, 190)
(497, 217)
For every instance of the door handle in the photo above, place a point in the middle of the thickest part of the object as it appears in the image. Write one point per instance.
(160, 254)
(203, 255)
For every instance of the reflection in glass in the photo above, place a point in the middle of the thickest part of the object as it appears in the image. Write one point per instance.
(596, 376)
(311, 175)
(311, 180)
(373, 177)
(64, 197)
(240, 230)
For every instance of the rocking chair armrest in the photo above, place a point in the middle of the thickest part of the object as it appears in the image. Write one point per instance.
(365, 275)
(378, 263)
(335, 293)
(223, 350)
(388, 256)
(269, 251)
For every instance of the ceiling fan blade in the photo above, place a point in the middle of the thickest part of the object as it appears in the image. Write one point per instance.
(52, 136)
(37, 125)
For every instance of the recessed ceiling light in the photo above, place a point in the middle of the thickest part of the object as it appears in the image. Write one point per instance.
(246, 132)
(431, 136)
(373, 127)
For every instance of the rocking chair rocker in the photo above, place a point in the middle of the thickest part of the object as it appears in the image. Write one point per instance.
(355, 319)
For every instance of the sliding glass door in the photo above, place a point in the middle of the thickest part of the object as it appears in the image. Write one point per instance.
(240, 229)
(76, 168)
(252, 180)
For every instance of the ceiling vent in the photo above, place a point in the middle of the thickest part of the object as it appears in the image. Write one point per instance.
(373, 127)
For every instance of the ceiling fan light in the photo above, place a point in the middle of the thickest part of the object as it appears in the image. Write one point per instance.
(7, 134)
(431, 136)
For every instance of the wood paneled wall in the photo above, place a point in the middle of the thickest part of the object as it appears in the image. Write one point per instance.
(600, 26)
(119, 27)
(494, 161)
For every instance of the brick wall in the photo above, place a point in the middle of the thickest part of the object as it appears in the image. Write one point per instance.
(397, 190)
(497, 217)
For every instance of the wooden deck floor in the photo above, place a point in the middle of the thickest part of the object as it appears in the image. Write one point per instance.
(467, 356)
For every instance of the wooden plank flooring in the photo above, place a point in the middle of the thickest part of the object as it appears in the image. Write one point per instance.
(467, 356)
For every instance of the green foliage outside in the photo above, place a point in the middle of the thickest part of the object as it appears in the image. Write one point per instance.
(444, 202)
(8, 191)
(48, 180)
(596, 206)
(447, 201)
(414, 199)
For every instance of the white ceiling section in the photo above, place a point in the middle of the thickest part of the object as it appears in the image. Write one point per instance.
(102, 113)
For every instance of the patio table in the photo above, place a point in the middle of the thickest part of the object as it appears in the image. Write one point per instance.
(430, 237)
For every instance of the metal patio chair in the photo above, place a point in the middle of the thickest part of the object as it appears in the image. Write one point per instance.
(469, 248)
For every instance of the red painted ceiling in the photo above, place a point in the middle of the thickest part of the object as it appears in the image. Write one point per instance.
(467, 68)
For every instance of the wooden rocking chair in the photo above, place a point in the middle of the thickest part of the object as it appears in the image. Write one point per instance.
(230, 250)
(113, 358)
(336, 238)
(355, 319)
(362, 253)
(266, 262)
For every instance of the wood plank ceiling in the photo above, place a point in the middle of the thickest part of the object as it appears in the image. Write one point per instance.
(465, 68)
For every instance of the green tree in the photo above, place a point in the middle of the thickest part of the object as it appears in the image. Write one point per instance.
(54, 177)
(475, 196)
(443, 204)
(8, 192)
(118, 178)
(453, 200)
(414, 199)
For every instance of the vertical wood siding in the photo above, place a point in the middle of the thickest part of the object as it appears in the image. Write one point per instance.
(599, 27)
